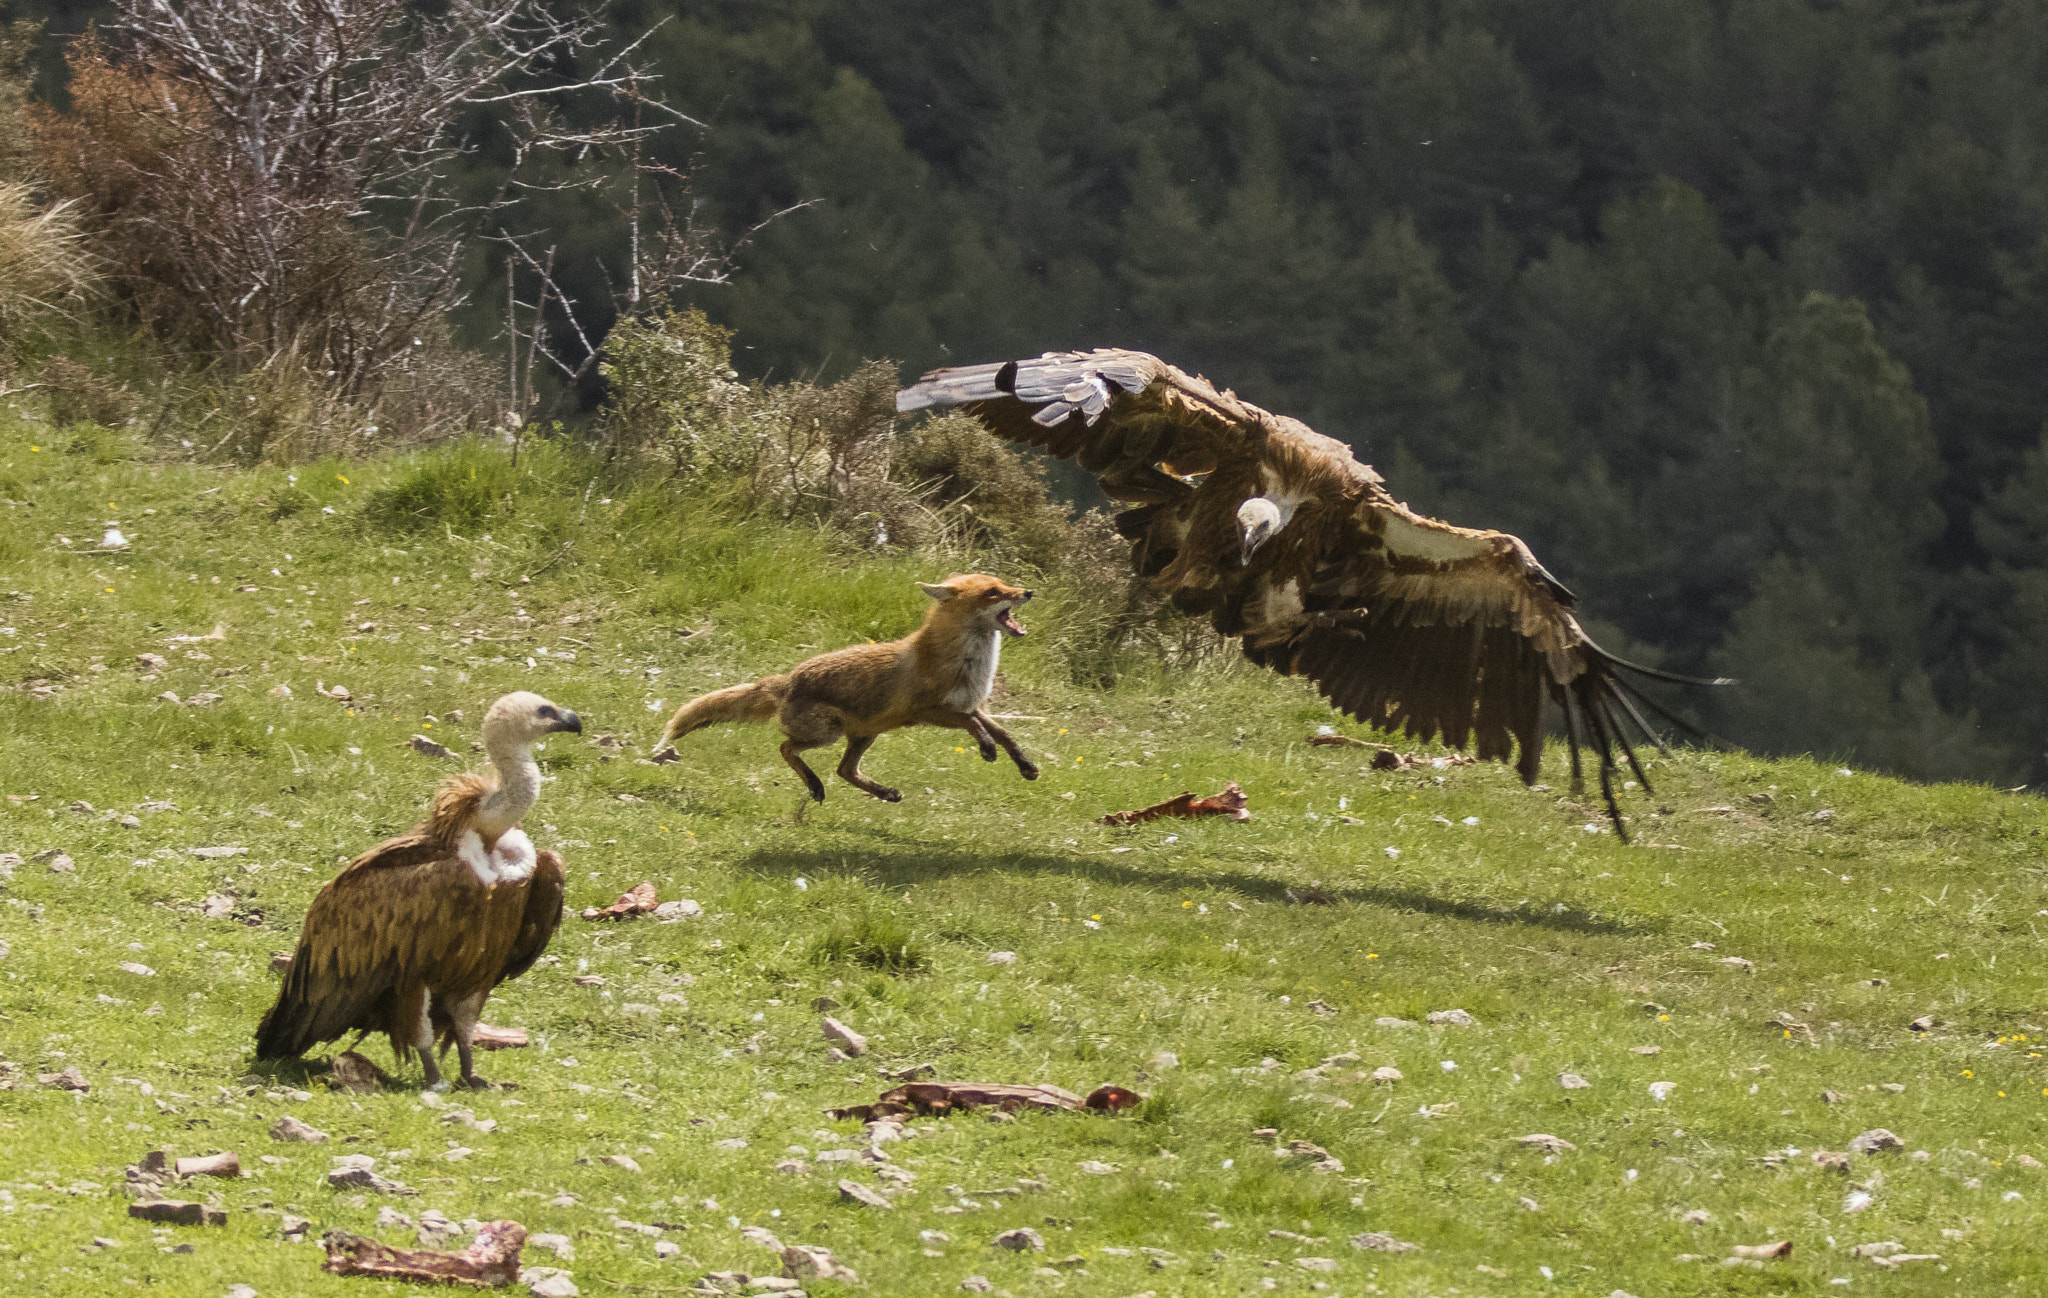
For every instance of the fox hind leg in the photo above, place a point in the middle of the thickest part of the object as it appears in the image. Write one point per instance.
(791, 753)
(807, 728)
(849, 770)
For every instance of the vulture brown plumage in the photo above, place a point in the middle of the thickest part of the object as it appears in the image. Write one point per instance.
(1283, 539)
(412, 936)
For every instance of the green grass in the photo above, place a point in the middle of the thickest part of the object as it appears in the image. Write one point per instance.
(1571, 950)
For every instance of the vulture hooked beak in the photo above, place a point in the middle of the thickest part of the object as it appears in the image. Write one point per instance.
(568, 721)
(1257, 520)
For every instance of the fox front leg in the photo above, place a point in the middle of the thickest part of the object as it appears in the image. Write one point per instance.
(1025, 766)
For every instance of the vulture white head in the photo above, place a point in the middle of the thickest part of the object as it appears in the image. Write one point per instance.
(1257, 520)
(511, 727)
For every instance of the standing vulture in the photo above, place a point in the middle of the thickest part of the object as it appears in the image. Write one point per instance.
(411, 936)
(1283, 539)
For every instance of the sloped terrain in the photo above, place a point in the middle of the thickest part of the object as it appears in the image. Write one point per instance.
(1732, 995)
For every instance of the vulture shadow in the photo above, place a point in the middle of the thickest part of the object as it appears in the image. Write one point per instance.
(899, 863)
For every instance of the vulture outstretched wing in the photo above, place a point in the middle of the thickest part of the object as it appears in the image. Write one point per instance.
(1402, 621)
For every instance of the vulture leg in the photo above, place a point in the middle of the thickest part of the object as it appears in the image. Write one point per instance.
(423, 1045)
(463, 1013)
(849, 770)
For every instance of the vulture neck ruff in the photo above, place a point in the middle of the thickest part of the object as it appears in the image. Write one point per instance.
(510, 860)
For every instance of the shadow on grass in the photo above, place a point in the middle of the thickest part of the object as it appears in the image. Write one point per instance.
(895, 864)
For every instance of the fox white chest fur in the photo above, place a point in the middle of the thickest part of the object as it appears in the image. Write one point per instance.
(977, 671)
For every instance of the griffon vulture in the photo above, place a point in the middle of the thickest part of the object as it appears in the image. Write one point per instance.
(1283, 539)
(411, 936)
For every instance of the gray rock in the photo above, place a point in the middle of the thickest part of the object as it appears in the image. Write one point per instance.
(1020, 1239)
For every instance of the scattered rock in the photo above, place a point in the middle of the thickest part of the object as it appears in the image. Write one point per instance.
(1316, 1263)
(61, 863)
(1925, 1023)
(1376, 1241)
(675, 912)
(139, 970)
(215, 853)
(1829, 1160)
(1775, 1251)
(291, 1128)
(977, 1284)
(1874, 1141)
(70, 1079)
(427, 747)
(1661, 1091)
(1739, 964)
(1573, 1082)
(853, 1043)
(858, 1193)
(1452, 1018)
(1019, 1240)
(1000, 957)
(355, 1172)
(560, 1245)
(812, 1262)
(622, 1161)
(1696, 1217)
(1554, 1144)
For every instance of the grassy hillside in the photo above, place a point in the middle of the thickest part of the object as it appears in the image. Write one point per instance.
(1214, 966)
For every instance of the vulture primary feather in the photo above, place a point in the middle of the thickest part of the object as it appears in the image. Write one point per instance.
(1284, 540)
(411, 937)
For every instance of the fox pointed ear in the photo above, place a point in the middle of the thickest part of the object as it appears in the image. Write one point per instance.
(937, 592)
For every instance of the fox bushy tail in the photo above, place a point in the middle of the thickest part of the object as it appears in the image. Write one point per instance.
(758, 701)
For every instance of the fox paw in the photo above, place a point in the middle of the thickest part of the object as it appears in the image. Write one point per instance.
(888, 795)
(988, 752)
(1027, 770)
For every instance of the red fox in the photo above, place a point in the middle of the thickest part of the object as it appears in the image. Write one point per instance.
(938, 675)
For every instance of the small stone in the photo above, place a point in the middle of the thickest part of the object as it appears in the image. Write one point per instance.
(240, 1291)
(139, 970)
(1874, 1141)
(1739, 964)
(858, 1193)
(222, 1164)
(621, 1160)
(1019, 1240)
(1925, 1023)
(70, 1079)
(976, 1284)
(1452, 1018)
(428, 747)
(853, 1043)
(813, 1262)
(1696, 1217)
(560, 1245)
(1374, 1241)
(1388, 1021)
(1385, 1074)
(1555, 1144)
(61, 863)
(999, 957)
(554, 1284)
(1573, 1082)
(1661, 1091)
(1316, 1263)
(674, 912)
(1646, 1050)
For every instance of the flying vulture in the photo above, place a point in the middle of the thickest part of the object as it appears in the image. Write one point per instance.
(411, 936)
(1284, 540)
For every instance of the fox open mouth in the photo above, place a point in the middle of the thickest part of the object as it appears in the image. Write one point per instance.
(1007, 620)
